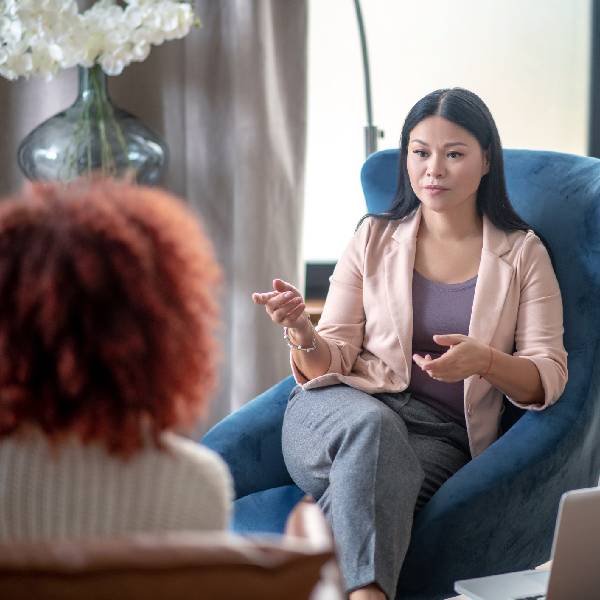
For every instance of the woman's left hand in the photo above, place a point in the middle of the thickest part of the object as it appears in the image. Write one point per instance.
(465, 357)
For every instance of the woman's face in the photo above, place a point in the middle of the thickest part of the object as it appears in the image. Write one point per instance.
(445, 164)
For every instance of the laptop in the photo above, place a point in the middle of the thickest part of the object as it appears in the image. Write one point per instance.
(575, 571)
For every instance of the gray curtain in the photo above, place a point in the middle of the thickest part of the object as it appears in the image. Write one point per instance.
(230, 100)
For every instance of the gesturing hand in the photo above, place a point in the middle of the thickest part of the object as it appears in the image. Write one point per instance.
(284, 304)
(465, 357)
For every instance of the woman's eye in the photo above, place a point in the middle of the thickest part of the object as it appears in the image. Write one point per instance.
(420, 153)
(454, 154)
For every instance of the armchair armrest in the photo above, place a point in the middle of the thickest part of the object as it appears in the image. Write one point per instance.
(308, 522)
(507, 496)
(249, 441)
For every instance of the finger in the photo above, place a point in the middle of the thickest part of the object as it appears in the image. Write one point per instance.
(423, 361)
(262, 297)
(283, 312)
(442, 372)
(448, 339)
(434, 375)
(283, 286)
(297, 312)
(287, 318)
(419, 360)
(441, 361)
(280, 299)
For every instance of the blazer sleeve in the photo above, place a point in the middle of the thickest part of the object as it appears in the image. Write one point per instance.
(342, 323)
(539, 331)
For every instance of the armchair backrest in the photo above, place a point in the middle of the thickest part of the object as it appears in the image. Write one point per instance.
(559, 196)
(165, 566)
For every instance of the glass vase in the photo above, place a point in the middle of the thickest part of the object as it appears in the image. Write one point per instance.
(93, 136)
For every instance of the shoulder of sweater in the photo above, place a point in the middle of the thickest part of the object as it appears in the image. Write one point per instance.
(185, 448)
(187, 454)
(195, 455)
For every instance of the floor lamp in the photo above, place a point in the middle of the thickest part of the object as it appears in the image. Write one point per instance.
(372, 132)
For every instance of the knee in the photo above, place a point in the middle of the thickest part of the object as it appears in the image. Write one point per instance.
(305, 465)
(376, 421)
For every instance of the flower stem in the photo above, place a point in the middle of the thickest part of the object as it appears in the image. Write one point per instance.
(98, 122)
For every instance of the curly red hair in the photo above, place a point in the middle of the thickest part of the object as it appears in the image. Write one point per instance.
(107, 313)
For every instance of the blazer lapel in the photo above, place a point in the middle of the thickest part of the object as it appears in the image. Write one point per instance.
(493, 282)
(399, 262)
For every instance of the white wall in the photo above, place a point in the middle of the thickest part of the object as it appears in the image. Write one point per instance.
(528, 59)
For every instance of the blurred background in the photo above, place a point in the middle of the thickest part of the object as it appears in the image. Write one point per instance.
(263, 110)
(529, 60)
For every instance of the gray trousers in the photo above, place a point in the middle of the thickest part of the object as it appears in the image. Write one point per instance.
(370, 461)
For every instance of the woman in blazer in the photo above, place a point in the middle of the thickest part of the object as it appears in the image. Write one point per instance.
(436, 310)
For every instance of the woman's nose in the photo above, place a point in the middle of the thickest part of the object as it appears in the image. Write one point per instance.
(435, 167)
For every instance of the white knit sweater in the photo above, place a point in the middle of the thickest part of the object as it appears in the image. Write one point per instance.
(82, 491)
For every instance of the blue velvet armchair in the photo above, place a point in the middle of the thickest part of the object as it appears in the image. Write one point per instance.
(497, 513)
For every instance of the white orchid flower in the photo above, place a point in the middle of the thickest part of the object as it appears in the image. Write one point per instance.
(40, 37)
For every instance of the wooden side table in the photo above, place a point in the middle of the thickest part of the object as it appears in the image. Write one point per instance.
(314, 308)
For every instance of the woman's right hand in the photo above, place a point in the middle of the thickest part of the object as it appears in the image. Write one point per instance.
(284, 305)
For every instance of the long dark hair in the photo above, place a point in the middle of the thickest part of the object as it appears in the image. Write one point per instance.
(466, 109)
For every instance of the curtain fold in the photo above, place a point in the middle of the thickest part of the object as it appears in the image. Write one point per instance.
(230, 100)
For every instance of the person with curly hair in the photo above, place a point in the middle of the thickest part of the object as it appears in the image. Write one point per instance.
(107, 354)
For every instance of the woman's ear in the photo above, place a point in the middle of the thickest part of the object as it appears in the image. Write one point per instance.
(486, 163)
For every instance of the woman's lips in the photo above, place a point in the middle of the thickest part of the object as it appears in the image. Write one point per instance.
(435, 190)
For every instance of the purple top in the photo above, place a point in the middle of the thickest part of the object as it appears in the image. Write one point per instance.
(439, 308)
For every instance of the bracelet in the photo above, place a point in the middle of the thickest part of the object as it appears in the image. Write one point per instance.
(293, 346)
(489, 364)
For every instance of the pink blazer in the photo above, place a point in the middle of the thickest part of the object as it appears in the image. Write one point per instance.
(367, 319)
